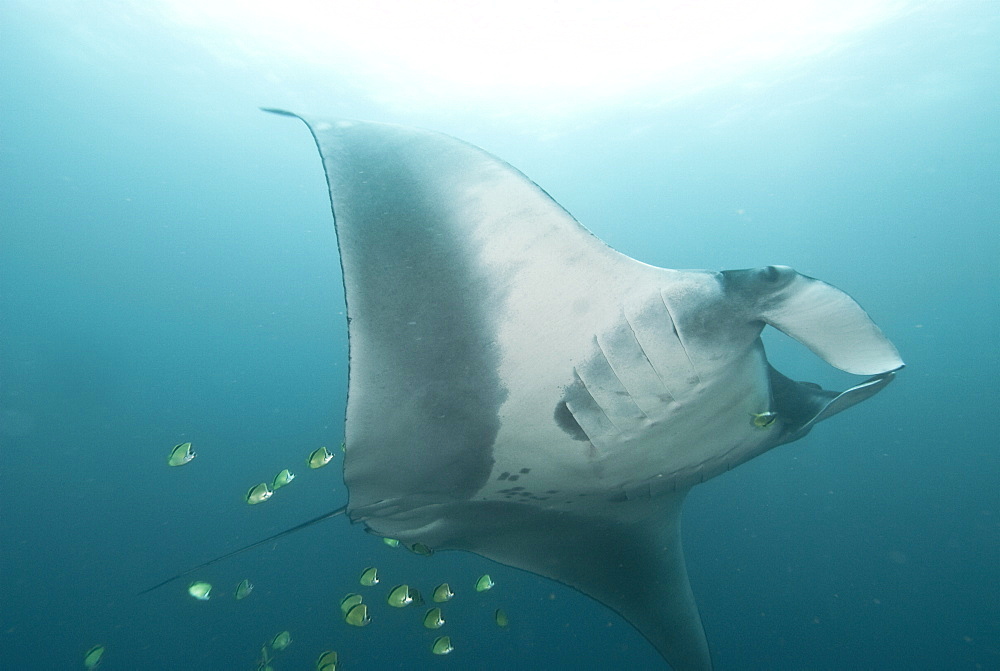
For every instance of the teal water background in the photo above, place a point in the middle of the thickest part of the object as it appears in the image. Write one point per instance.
(168, 272)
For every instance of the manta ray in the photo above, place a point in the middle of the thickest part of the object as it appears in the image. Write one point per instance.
(520, 390)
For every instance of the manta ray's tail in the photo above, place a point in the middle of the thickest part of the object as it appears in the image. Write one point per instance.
(280, 534)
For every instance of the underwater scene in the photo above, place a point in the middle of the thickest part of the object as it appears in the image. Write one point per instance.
(186, 486)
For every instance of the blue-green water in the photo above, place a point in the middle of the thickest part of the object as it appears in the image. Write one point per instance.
(168, 272)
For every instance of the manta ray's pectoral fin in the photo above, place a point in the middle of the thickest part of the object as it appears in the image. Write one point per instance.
(631, 561)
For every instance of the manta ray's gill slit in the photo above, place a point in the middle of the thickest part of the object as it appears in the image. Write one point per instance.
(680, 339)
(611, 366)
(607, 387)
(589, 410)
(567, 422)
(579, 414)
(642, 350)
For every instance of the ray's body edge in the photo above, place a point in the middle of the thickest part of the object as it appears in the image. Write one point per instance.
(462, 280)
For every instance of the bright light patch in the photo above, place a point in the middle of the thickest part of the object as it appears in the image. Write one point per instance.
(430, 53)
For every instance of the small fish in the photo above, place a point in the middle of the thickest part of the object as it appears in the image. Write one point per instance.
(501, 618)
(416, 597)
(391, 542)
(258, 494)
(442, 593)
(264, 661)
(433, 619)
(92, 658)
(369, 577)
(484, 583)
(282, 479)
(181, 454)
(442, 645)
(349, 602)
(358, 616)
(281, 641)
(400, 597)
(200, 590)
(762, 420)
(421, 549)
(327, 661)
(319, 458)
(243, 589)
